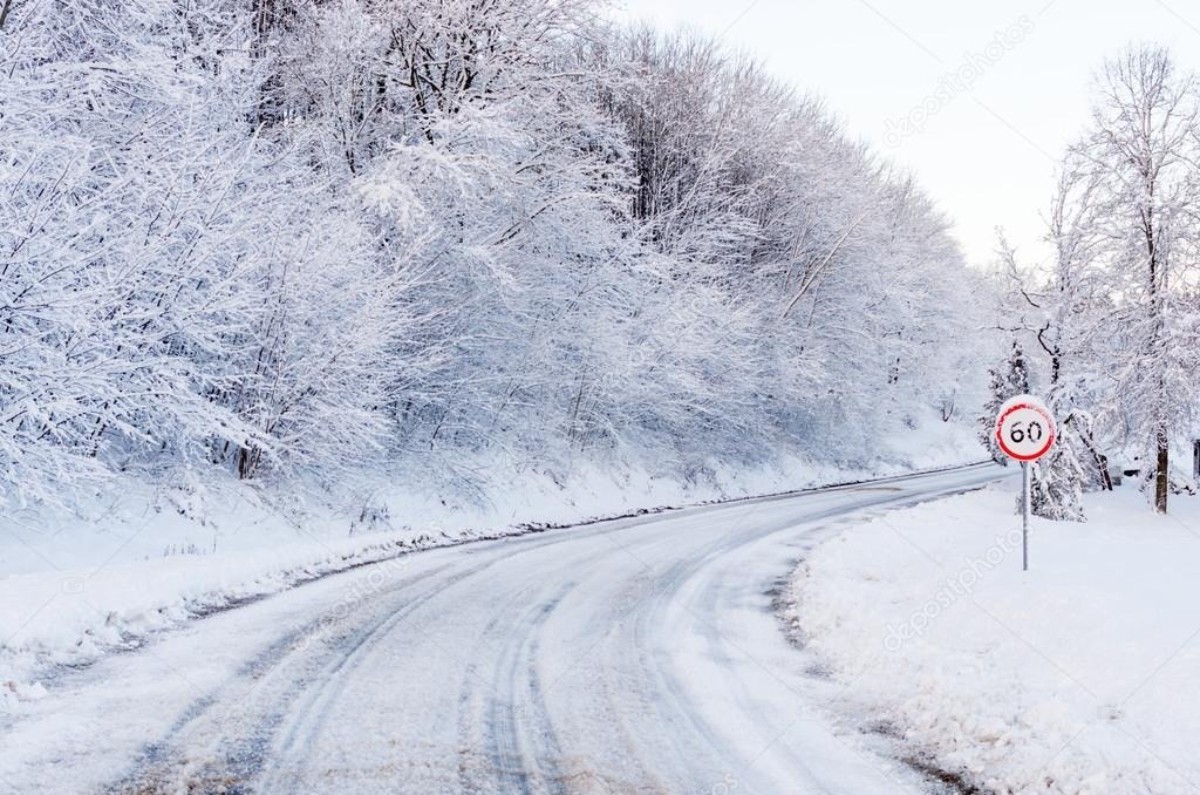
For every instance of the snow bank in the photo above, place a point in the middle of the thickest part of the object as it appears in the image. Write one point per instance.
(1077, 676)
(71, 617)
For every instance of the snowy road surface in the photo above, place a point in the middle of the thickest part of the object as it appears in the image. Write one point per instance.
(639, 655)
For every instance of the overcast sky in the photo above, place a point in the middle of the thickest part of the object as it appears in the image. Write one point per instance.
(983, 145)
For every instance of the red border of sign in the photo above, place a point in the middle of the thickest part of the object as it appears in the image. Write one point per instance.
(1049, 438)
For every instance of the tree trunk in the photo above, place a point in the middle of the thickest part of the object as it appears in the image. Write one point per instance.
(248, 459)
(1162, 475)
(1099, 459)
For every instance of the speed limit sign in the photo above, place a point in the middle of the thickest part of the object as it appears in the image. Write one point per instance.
(1025, 429)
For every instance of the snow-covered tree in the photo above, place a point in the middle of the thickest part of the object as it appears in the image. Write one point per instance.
(825, 253)
(1007, 380)
(1139, 159)
(123, 240)
(1061, 312)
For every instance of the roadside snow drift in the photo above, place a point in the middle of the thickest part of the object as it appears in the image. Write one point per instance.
(1077, 676)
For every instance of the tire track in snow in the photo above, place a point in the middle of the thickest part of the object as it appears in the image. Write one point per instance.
(225, 740)
(524, 751)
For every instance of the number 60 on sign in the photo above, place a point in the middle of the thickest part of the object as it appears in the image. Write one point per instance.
(1025, 429)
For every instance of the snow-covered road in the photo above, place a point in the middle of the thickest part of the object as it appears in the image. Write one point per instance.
(639, 655)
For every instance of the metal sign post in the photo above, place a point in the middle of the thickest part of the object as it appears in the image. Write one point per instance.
(1025, 516)
(1025, 431)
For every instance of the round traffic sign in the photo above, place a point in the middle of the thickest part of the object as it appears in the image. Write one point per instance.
(1025, 429)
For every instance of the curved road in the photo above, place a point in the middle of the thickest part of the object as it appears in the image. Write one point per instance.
(637, 655)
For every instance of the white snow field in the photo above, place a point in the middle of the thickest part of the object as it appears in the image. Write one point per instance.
(638, 655)
(1078, 676)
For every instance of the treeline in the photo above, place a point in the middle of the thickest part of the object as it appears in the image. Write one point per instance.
(1112, 321)
(280, 236)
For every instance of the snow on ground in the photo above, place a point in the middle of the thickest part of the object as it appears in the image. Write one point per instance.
(139, 560)
(1077, 676)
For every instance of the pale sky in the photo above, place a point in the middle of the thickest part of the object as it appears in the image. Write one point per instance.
(988, 150)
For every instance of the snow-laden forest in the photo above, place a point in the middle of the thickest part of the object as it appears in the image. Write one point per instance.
(271, 239)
